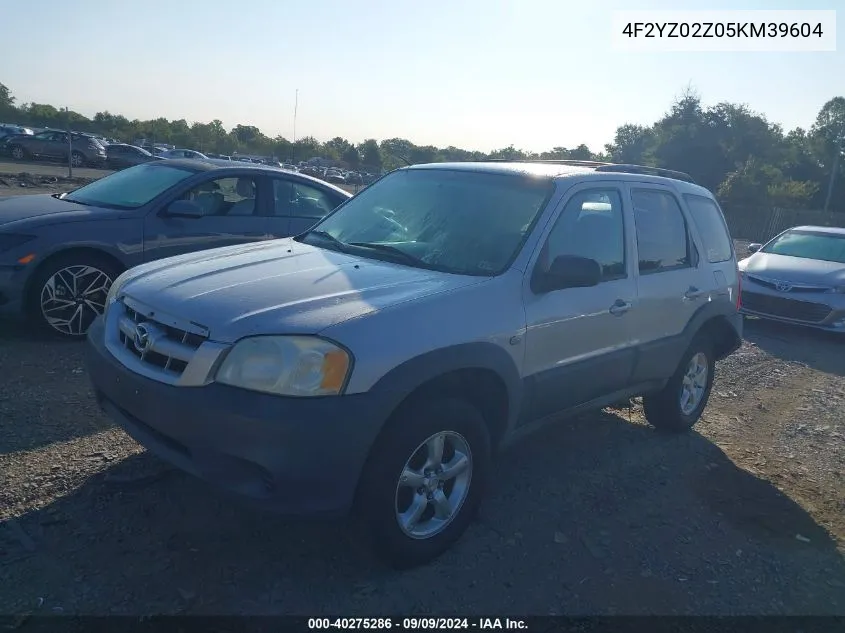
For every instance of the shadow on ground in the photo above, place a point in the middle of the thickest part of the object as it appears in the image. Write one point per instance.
(594, 516)
(45, 394)
(824, 351)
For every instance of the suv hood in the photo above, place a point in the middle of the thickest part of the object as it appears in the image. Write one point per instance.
(17, 208)
(278, 287)
(794, 269)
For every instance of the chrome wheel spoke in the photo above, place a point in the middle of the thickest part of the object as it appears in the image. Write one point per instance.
(455, 466)
(694, 383)
(411, 478)
(442, 505)
(411, 517)
(435, 447)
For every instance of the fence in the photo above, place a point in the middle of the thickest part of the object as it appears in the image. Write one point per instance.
(761, 224)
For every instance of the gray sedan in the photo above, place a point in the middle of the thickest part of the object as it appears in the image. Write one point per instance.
(60, 253)
(797, 277)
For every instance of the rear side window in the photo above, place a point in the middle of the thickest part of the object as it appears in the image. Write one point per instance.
(662, 237)
(711, 227)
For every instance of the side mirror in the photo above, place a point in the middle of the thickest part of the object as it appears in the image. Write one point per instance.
(568, 271)
(185, 209)
(753, 248)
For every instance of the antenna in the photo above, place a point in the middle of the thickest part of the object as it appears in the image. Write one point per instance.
(295, 108)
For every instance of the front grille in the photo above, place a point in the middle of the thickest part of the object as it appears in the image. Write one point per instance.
(793, 288)
(806, 311)
(165, 347)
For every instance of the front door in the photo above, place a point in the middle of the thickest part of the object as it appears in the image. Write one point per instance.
(579, 343)
(232, 215)
(298, 206)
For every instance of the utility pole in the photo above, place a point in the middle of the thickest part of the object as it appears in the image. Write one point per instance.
(840, 147)
(293, 145)
(69, 144)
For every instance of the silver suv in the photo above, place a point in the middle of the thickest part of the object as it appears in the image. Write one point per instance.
(378, 362)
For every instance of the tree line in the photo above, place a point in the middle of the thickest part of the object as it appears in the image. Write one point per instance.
(735, 152)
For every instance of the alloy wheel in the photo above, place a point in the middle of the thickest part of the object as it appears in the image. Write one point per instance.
(73, 297)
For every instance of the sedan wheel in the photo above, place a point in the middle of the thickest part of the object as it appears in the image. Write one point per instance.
(18, 153)
(77, 159)
(71, 294)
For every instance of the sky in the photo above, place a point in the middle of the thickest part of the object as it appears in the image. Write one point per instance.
(476, 74)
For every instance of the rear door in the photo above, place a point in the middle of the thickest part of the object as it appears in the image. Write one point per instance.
(672, 279)
(235, 212)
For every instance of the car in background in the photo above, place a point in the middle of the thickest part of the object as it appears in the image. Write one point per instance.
(183, 153)
(59, 253)
(84, 149)
(797, 277)
(121, 155)
(7, 129)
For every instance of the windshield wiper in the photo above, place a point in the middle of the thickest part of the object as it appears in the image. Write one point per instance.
(392, 250)
(325, 235)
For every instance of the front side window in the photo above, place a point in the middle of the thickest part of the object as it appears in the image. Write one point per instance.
(591, 225)
(662, 236)
(456, 221)
(131, 188)
(809, 245)
(298, 200)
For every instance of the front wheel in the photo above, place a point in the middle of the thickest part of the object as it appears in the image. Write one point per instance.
(77, 159)
(424, 481)
(69, 292)
(18, 152)
(682, 401)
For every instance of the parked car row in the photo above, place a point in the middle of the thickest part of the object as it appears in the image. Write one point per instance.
(82, 149)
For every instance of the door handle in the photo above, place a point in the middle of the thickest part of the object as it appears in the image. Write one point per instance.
(620, 307)
(693, 293)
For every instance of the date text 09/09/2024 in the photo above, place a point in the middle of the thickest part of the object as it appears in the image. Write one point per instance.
(416, 624)
(723, 29)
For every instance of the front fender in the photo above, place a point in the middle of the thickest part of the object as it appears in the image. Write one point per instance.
(401, 381)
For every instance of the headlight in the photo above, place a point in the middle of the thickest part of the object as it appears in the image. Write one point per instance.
(114, 290)
(8, 241)
(286, 365)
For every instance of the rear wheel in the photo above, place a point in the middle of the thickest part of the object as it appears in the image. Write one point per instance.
(681, 402)
(18, 152)
(68, 293)
(424, 481)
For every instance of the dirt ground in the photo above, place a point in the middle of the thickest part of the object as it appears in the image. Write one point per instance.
(599, 515)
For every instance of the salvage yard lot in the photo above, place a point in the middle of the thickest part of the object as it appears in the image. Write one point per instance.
(599, 515)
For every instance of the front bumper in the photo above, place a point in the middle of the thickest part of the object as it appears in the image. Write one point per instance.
(298, 456)
(12, 284)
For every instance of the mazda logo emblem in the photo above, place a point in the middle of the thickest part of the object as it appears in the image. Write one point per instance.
(783, 286)
(141, 339)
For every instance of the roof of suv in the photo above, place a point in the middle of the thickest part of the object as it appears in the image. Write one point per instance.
(568, 168)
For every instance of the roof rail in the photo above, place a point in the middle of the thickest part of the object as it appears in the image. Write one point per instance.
(644, 169)
(573, 162)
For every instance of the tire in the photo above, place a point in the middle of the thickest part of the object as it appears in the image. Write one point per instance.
(18, 152)
(382, 497)
(77, 159)
(665, 409)
(55, 308)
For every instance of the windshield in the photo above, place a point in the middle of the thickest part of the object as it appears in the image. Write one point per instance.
(809, 245)
(130, 188)
(455, 221)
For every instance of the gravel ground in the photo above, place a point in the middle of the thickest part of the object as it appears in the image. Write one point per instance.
(599, 515)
